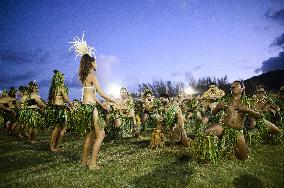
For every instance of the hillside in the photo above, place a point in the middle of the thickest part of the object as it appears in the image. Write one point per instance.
(271, 81)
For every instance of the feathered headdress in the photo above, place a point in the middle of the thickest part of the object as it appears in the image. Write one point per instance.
(80, 46)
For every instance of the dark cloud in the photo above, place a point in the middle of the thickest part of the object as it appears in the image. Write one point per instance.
(277, 16)
(18, 67)
(22, 57)
(279, 41)
(273, 63)
(15, 57)
(7, 79)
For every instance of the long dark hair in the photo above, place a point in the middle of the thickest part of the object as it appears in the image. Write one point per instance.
(85, 67)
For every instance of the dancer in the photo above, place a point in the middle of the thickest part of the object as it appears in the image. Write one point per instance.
(231, 128)
(10, 110)
(57, 112)
(33, 119)
(90, 84)
(150, 106)
(126, 106)
(264, 105)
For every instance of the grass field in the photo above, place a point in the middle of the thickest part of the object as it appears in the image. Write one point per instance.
(129, 163)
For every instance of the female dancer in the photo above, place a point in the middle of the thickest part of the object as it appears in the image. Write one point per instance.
(57, 113)
(33, 118)
(90, 84)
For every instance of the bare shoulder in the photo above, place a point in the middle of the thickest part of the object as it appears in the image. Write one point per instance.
(90, 80)
(92, 77)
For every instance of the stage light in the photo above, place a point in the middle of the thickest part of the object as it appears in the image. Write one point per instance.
(114, 90)
(189, 90)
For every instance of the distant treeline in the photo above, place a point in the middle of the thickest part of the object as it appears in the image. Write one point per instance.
(271, 81)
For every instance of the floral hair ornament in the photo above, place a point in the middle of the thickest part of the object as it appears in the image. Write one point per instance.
(80, 47)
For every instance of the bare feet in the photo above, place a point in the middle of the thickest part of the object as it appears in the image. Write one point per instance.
(57, 149)
(52, 149)
(34, 142)
(84, 161)
(94, 167)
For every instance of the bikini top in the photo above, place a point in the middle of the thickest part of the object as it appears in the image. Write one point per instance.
(89, 87)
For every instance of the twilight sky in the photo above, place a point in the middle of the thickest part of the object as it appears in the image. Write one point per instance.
(139, 40)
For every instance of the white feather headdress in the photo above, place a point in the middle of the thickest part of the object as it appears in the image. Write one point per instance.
(80, 47)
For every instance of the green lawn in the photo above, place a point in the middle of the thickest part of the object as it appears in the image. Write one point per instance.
(129, 163)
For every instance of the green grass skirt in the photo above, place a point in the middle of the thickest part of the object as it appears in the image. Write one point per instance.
(31, 118)
(56, 115)
(81, 119)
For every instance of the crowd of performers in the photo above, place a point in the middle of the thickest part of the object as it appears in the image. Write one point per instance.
(211, 125)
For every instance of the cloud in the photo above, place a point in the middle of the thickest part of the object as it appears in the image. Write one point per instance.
(105, 66)
(8, 79)
(273, 63)
(279, 41)
(188, 73)
(21, 57)
(277, 16)
(19, 66)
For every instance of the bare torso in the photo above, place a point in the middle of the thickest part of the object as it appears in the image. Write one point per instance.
(233, 117)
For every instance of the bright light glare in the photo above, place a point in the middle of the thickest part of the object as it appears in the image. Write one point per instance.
(114, 90)
(189, 91)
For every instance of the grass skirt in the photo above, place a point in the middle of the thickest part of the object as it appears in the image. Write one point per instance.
(56, 115)
(31, 118)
